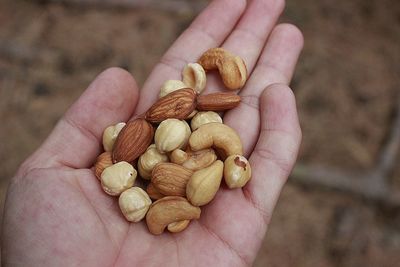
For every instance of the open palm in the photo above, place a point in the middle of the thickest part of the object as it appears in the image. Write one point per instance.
(56, 213)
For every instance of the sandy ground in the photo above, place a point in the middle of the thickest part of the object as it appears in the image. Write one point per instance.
(346, 86)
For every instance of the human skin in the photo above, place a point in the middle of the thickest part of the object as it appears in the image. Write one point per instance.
(56, 213)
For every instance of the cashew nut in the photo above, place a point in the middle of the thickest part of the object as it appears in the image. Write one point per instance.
(177, 227)
(231, 68)
(193, 160)
(204, 184)
(219, 135)
(168, 210)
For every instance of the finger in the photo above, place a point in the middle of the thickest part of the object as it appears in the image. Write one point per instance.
(209, 29)
(249, 36)
(276, 65)
(76, 139)
(275, 153)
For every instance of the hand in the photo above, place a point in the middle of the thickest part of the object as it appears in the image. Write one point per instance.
(56, 213)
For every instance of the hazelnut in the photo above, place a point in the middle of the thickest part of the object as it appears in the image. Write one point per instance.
(148, 160)
(171, 134)
(194, 76)
(117, 178)
(134, 204)
(171, 86)
(110, 134)
(237, 171)
(204, 117)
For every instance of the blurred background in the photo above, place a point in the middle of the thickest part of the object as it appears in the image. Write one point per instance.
(341, 206)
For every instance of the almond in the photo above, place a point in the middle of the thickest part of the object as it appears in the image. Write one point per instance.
(217, 101)
(103, 161)
(176, 105)
(170, 179)
(133, 141)
(153, 193)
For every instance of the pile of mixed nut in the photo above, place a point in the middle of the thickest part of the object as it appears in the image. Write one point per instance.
(184, 165)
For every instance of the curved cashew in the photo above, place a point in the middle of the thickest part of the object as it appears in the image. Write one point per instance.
(177, 227)
(224, 138)
(193, 160)
(169, 210)
(231, 68)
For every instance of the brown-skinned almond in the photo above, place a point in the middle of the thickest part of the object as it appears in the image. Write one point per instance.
(170, 179)
(176, 105)
(153, 192)
(217, 101)
(103, 161)
(133, 140)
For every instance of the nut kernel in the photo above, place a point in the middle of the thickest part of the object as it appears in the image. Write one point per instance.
(232, 68)
(204, 184)
(153, 192)
(204, 117)
(170, 179)
(193, 160)
(237, 171)
(177, 227)
(117, 178)
(191, 115)
(194, 76)
(103, 161)
(110, 134)
(171, 86)
(220, 136)
(134, 204)
(148, 160)
(168, 210)
(171, 134)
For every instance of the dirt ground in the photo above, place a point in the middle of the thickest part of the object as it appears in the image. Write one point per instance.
(346, 84)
